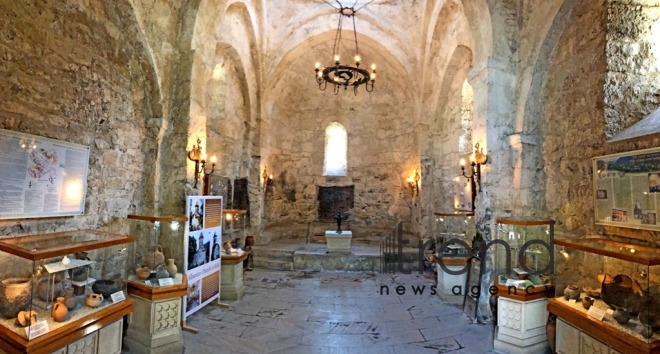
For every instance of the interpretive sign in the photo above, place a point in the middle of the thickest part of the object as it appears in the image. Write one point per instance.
(41, 177)
(627, 189)
(203, 234)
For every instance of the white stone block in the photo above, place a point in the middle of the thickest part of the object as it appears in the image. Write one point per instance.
(338, 243)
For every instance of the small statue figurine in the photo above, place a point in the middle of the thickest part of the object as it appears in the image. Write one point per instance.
(339, 217)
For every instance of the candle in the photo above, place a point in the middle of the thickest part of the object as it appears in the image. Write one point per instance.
(462, 162)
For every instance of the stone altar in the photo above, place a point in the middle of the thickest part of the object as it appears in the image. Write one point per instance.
(338, 243)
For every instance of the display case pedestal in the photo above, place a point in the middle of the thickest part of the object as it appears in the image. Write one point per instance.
(231, 279)
(447, 282)
(155, 324)
(521, 326)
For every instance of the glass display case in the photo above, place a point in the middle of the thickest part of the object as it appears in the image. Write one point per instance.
(234, 223)
(454, 226)
(158, 252)
(609, 290)
(533, 238)
(60, 278)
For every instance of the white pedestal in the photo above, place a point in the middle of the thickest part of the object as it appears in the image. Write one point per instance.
(446, 282)
(338, 243)
(231, 280)
(155, 327)
(521, 326)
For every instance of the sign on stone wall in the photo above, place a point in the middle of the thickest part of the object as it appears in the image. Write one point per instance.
(202, 245)
(627, 189)
(41, 177)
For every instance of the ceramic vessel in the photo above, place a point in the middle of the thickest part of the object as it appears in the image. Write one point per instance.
(551, 332)
(49, 291)
(171, 267)
(70, 300)
(59, 311)
(645, 330)
(154, 257)
(26, 318)
(15, 296)
(587, 302)
(143, 273)
(105, 288)
(161, 272)
(94, 300)
(80, 273)
(571, 292)
(621, 315)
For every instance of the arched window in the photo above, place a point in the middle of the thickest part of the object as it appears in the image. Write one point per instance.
(336, 141)
(467, 104)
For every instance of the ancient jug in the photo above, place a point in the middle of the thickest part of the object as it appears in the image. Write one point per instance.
(645, 330)
(587, 302)
(171, 267)
(621, 315)
(70, 300)
(161, 272)
(49, 289)
(15, 294)
(571, 292)
(59, 311)
(154, 257)
(94, 300)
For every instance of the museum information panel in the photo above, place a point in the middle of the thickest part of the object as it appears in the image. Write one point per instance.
(41, 177)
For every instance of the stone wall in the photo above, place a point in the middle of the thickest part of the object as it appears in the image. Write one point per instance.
(80, 72)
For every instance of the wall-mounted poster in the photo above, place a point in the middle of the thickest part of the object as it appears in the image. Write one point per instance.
(202, 259)
(41, 177)
(627, 189)
(462, 194)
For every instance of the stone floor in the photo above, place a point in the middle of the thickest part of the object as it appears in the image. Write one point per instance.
(297, 312)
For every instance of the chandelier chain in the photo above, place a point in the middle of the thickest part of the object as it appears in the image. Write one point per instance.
(363, 5)
(357, 51)
(337, 37)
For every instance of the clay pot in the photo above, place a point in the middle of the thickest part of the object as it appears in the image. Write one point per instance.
(70, 300)
(551, 332)
(94, 300)
(59, 311)
(15, 296)
(171, 267)
(645, 331)
(105, 288)
(571, 292)
(587, 302)
(161, 272)
(26, 318)
(47, 291)
(143, 273)
(154, 257)
(621, 315)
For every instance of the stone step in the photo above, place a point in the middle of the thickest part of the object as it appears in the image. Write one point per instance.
(272, 264)
(265, 252)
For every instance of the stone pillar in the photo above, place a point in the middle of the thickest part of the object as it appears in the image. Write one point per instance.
(493, 82)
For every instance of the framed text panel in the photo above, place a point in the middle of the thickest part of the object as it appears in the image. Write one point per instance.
(41, 177)
(627, 189)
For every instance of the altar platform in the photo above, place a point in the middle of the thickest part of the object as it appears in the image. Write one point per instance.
(294, 254)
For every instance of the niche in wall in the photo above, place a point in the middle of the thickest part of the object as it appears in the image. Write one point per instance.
(332, 199)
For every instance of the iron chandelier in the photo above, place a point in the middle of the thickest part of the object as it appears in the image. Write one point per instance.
(343, 74)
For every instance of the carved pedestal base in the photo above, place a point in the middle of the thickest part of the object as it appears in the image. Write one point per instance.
(521, 326)
(449, 284)
(155, 327)
(231, 280)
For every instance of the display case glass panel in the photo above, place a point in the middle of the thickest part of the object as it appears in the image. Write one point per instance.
(158, 256)
(454, 226)
(234, 223)
(59, 278)
(616, 281)
(529, 242)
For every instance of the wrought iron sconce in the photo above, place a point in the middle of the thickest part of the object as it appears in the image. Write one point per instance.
(266, 178)
(477, 159)
(199, 158)
(413, 182)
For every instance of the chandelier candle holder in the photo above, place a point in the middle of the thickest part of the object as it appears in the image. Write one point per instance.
(477, 159)
(199, 158)
(345, 75)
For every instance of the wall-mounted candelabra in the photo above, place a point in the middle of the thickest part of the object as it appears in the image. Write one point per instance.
(199, 158)
(477, 159)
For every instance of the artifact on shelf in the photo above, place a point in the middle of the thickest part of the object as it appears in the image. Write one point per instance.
(154, 257)
(15, 296)
(571, 292)
(161, 272)
(80, 273)
(104, 287)
(70, 300)
(620, 291)
(143, 273)
(171, 267)
(591, 291)
(27, 318)
(59, 311)
(621, 315)
(94, 300)
(50, 288)
(645, 331)
(587, 302)
(651, 305)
